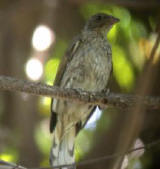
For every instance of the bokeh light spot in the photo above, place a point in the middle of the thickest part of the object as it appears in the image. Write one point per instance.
(6, 157)
(51, 70)
(112, 34)
(44, 106)
(34, 69)
(42, 38)
(123, 71)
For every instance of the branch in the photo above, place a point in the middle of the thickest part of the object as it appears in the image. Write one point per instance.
(101, 99)
(9, 165)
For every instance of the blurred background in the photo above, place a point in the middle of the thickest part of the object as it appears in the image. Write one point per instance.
(34, 36)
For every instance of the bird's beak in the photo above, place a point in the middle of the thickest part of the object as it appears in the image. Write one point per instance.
(114, 20)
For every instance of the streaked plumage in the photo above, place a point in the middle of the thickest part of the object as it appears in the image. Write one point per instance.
(86, 65)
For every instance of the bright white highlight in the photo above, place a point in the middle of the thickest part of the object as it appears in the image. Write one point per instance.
(91, 124)
(34, 69)
(42, 38)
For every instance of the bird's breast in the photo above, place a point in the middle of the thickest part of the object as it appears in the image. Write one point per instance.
(98, 67)
(90, 67)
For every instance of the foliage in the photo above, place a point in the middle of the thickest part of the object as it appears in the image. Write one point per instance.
(131, 42)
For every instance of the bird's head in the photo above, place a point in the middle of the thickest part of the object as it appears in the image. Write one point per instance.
(100, 22)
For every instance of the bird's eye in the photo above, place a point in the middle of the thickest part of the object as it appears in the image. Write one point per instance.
(99, 17)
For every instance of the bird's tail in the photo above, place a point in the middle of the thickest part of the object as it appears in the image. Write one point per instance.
(62, 151)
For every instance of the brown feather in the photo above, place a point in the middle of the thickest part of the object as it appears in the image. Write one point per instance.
(61, 69)
(66, 59)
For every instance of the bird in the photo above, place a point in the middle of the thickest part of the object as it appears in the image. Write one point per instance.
(86, 65)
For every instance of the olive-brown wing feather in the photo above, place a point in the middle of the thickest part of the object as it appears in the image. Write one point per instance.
(61, 69)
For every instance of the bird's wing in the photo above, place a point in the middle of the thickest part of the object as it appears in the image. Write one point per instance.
(61, 69)
(66, 59)
(109, 53)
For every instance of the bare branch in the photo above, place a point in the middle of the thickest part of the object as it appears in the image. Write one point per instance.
(101, 99)
(9, 165)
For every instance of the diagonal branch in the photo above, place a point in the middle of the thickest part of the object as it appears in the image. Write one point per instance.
(101, 99)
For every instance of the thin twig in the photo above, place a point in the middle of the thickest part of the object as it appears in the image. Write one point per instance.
(107, 157)
(86, 162)
(133, 121)
(155, 47)
(9, 165)
(101, 99)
